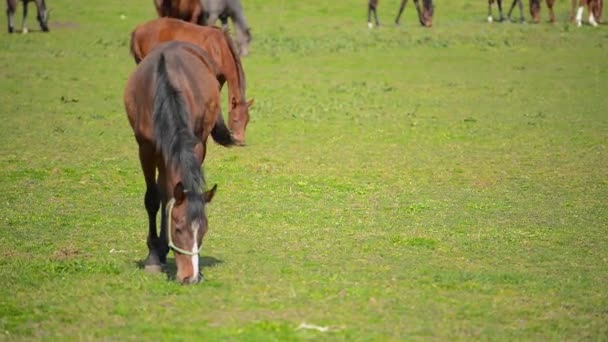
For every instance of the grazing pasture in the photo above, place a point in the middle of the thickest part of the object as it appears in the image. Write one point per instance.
(398, 183)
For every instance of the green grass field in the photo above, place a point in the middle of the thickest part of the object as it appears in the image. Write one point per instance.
(398, 184)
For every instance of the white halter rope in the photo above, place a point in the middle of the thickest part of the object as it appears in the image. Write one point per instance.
(171, 244)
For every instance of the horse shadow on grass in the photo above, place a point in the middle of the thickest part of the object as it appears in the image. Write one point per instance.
(170, 269)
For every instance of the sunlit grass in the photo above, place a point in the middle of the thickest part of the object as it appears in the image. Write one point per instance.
(400, 183)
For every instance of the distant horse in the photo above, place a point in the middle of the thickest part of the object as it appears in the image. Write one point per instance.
(218, 45)
(187, 10)
(172, 103)
(43, 15)
(372, 8)
(535, 10)
(519, 3)
(425, 14)
(595, 8)
(224, 9)
(206, 12)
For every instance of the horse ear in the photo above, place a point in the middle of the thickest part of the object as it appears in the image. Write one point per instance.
(209, 194)
(250, 103)
(178, 193)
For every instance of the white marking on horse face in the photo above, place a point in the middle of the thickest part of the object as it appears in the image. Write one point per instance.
(195, 271)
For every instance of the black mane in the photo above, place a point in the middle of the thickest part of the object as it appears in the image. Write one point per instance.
(174, 137)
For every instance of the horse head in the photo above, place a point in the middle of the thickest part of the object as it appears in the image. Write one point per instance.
(187, 225)
(239, 118)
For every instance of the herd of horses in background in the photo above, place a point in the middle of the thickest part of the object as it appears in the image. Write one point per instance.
(207, 12)
(426, 11)
(577, 8)
(172, 102)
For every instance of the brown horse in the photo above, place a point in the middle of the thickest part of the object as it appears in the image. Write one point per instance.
(172, 103)
(501, 17)
(218, 44)
(43, 15)
(595, 8)
(425, 14)
(188, 10)
(535, 10)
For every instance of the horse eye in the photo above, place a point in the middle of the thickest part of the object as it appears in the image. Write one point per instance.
(178, 230)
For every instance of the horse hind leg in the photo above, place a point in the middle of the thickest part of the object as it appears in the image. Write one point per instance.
(23, 22)
(147, 158)
(42, 15)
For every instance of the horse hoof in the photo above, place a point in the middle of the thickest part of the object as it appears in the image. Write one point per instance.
(153, 268)
(24, 31)
(490, 19)
(369, 25)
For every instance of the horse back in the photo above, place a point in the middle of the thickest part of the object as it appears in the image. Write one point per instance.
(146, 37)
(189, 72)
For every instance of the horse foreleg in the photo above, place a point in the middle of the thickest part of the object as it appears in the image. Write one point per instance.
(23, 23)
(401, 8)
(521, 10)
(535, 10)
(147, 158)
(551, 13)
(42, 15)
(11, 7)
(224, 21)
(593, 9)
(502, 16)
(579, 12)
(419, 10)
(196, 14)
(163, 243)
(371, 9)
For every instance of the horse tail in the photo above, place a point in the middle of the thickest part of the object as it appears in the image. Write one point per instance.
(221, 134)
(174, 136)
(134, 48)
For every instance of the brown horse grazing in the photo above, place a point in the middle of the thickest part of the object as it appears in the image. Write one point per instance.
(425, 14)
(172, 103)
(43, 15)
(188, 10)
(519, 4)
(218, 45)
(535, 10)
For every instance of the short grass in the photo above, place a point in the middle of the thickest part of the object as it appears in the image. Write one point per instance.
(399, 184)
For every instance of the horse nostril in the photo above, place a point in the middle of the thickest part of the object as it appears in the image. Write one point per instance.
(190, 280)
